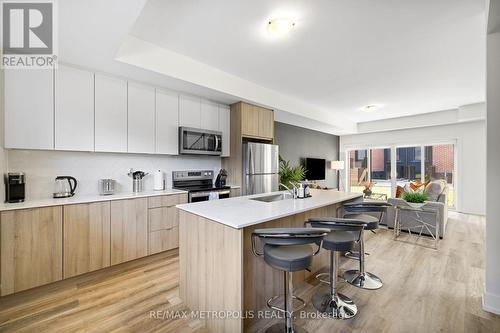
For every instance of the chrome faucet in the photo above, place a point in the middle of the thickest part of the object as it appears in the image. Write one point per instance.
(292, 191)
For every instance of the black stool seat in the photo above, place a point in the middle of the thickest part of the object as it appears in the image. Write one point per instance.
(343, 234)
(363, 211)
(289, 250)
(288, 258)
(371, 221)
(340, 240)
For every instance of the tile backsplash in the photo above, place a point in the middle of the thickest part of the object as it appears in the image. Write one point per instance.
(41, 168)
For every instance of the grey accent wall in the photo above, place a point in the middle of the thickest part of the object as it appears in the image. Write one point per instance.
(297, 143)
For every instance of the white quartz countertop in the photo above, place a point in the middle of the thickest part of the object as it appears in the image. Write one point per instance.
(48, 202)
(240, 212)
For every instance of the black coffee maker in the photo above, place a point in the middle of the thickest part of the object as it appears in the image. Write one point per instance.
(14, 187)
(221, 178)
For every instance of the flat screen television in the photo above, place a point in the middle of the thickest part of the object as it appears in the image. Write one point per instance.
(315, 168)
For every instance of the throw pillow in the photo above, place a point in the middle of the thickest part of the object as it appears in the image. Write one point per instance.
(399, 191)
(408, 188)
(418, 184)
(434, 190)
(415, 185)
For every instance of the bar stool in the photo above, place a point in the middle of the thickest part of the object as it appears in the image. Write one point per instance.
(289, 250)
(342, 236)
(358, 210)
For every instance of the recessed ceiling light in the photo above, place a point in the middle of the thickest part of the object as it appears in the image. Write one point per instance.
(371, 107)
(280, 26)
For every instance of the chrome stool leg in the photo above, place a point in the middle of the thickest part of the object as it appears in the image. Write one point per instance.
(288, 310)
(329, 301)
(354, 255)
(360, 278)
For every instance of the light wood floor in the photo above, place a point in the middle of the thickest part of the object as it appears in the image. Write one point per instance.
(424, 291)
(118, 299)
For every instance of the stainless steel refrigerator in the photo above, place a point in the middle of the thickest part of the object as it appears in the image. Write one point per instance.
(260, 168)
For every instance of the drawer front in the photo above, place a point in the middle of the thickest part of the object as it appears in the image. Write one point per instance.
(167, 200)
(163, 240)
(163, 218)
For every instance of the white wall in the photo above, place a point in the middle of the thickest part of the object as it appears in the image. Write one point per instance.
(471, 155)
(464, 113)
(41, 167)
(491, 296)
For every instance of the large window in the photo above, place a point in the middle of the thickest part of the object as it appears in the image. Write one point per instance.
(408, 165)
(440, 164)
(358, 169)
(380, 171)
(411, 164)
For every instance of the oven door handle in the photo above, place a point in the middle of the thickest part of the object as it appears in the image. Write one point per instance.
(199, 194)
(207, 194)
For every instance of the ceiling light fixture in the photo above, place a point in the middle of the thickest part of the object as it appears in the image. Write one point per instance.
(371, 107)
(280, 26)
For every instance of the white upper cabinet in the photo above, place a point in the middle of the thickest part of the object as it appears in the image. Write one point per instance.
(189, 111)
(167, 122)
(72, 109)
(29, 109)
(209, 116)
(141, 118)
(110, 114)
(225, 128)
(74, 114)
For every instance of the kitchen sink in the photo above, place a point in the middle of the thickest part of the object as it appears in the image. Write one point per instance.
(273, 197)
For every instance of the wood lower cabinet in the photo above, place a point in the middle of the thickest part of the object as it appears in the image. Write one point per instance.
(235, 192)
(167, 200)
(163, 229)
(163, 218)
(43, 245)
(163, 240)
(86, 237)
(129, 230)
(163, 222)
(31, 248)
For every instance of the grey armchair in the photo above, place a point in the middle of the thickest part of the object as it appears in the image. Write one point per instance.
(441, 205)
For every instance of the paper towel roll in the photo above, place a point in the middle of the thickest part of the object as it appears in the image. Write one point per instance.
(159, 181)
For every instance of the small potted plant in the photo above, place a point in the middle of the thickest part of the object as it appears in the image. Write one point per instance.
(368, 188)
(290, 174)
(415, 199)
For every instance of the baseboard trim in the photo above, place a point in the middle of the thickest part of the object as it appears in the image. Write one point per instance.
(491, 303)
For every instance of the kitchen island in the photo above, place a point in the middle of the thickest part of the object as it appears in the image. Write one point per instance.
(219, 275)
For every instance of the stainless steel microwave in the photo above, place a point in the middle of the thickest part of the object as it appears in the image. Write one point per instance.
(200, 142)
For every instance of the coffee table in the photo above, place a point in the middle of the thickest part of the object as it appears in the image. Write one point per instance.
(416, 213)
(376, 196)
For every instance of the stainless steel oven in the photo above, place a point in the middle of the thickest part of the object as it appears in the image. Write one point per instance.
(200, 185)
(209, 195)
(199, 142)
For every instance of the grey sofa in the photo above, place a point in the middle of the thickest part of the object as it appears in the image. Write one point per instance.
(441, 204)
